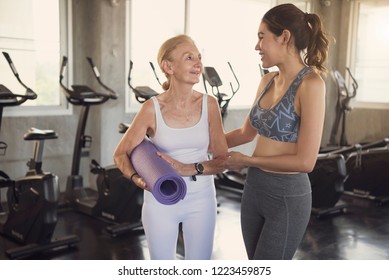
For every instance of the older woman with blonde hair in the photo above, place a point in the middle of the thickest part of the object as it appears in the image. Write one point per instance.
(185, 125)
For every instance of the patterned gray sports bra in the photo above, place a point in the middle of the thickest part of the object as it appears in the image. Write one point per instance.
(281, 122)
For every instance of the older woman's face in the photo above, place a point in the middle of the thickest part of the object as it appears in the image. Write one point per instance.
(186, 63)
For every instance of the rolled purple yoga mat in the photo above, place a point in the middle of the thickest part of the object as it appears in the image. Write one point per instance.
(165, 183)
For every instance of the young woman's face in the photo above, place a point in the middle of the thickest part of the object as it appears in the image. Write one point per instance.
(186, 63)
(268, 46)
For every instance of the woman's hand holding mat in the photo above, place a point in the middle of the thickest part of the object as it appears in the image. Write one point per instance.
(167, 186)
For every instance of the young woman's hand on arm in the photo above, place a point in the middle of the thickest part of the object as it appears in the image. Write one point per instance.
(243, 135)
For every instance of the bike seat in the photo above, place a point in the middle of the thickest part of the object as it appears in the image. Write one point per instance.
(85, 95)
(39, 134)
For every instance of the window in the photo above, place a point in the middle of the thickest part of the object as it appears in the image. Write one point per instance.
(371, 58)
(149, 24)
(35, 43)
(226, 31)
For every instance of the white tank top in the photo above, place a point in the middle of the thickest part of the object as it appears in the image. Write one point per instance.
(189, 144)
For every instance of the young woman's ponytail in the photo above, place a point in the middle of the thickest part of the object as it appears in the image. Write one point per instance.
(306, 29)
(317, 48)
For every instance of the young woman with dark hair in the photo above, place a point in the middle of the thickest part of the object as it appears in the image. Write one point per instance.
(286, 120)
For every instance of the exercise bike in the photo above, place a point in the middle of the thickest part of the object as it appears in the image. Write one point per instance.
(228, 180)
(31, 215)
(111, 181)
(116, 200)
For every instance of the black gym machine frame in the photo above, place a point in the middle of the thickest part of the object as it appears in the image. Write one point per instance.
(30, 214)
(342, 107)
(228, 180)
(358, 170)
(116, 201)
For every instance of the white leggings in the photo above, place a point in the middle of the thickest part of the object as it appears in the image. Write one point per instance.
(196, 212)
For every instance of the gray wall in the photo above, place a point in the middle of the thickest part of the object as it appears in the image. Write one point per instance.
(99, 32)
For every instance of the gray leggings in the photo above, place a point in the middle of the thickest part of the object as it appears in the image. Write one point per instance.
(275, 212)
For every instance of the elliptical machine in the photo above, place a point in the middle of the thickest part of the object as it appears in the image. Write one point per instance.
(113, 186)
(142, 93)
(117, 201)
(342, 107)
(212, 77)
(31, 214)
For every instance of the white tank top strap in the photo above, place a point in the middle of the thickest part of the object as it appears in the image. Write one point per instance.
(205, 106)
(158, 114)
(159, 118)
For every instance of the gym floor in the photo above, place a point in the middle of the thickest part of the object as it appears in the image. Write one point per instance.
(362, 233)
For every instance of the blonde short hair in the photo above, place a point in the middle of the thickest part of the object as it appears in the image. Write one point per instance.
(166, 50)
